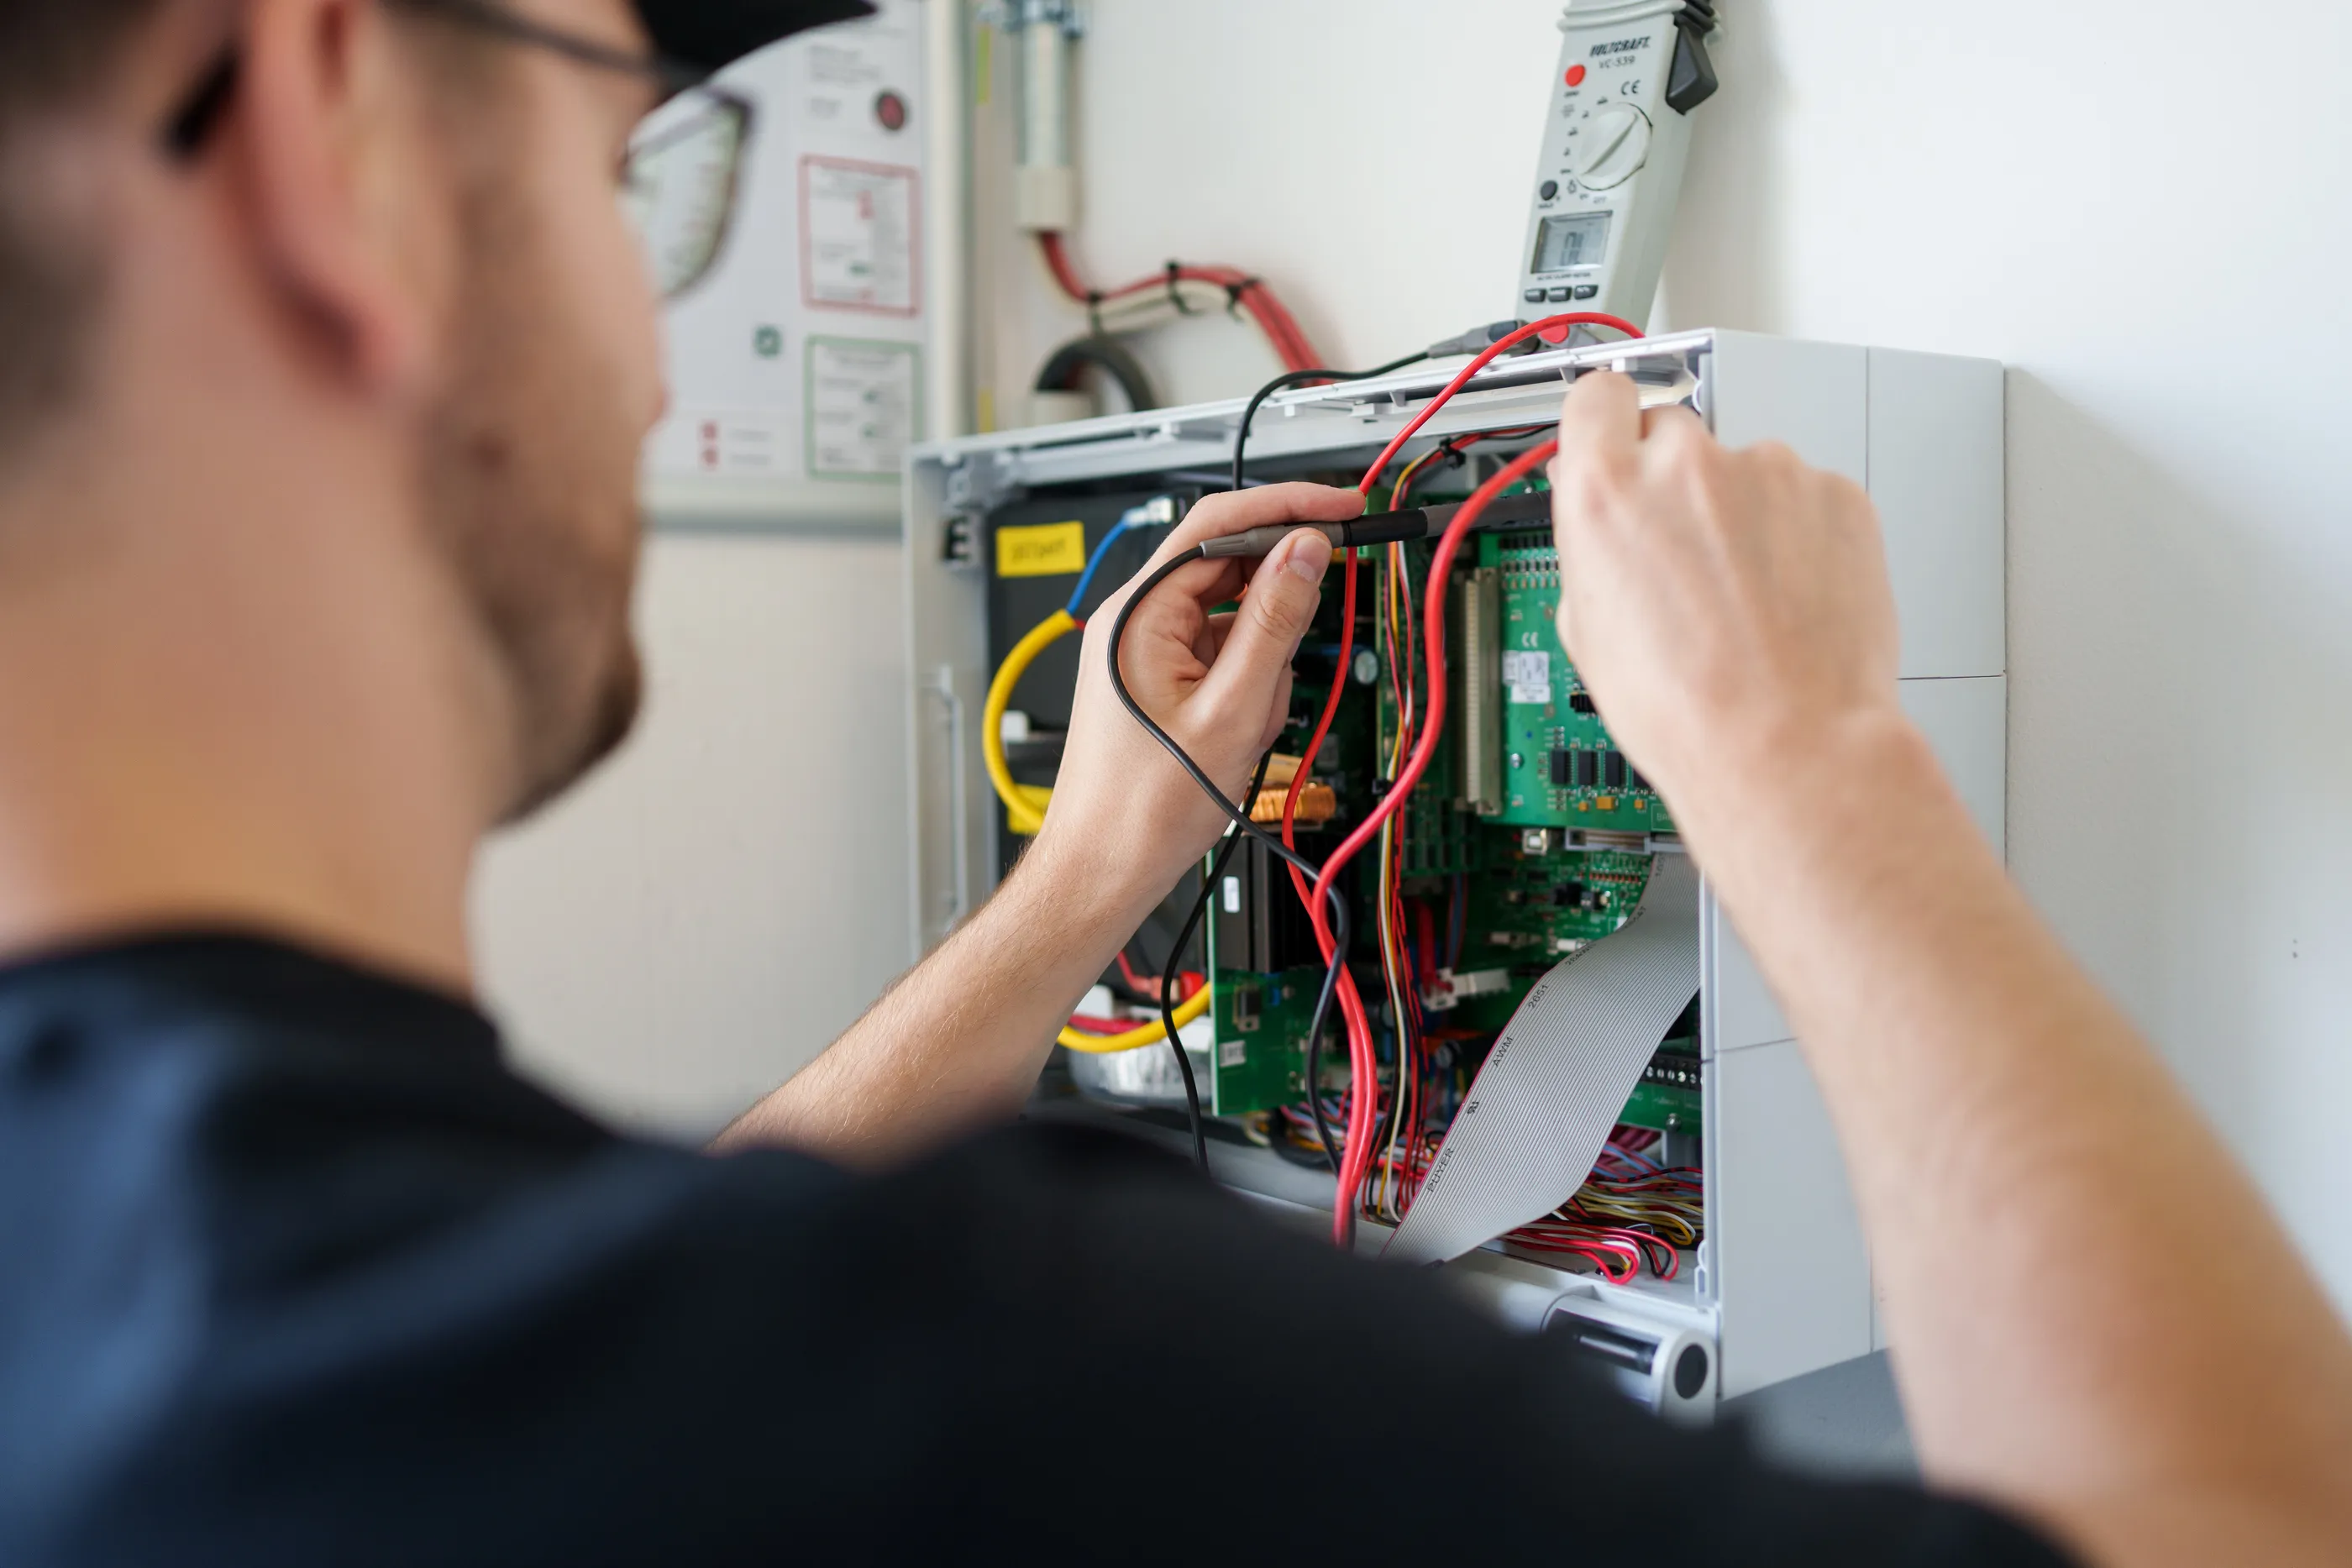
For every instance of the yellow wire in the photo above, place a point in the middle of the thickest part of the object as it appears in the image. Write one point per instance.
(1398, 491)
(1024, 804)
(1391, 838)
(1136, 1039)
(1025, 810)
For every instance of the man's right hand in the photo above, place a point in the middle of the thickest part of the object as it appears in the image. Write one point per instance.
(1727, 608)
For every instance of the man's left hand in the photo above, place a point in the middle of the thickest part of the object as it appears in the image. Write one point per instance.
(1123, 810)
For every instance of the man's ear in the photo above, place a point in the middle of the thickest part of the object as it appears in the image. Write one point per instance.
(351, 211)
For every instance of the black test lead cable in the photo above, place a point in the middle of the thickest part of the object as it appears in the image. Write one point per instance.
(1300, 379)
(1175, 969)
(1239, 816)
(1224, 858)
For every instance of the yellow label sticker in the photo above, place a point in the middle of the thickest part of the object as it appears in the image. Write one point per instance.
(1042, 549)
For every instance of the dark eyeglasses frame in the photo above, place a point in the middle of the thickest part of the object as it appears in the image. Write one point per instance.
(192, 125)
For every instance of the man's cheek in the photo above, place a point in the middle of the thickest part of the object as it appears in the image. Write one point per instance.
(607, 302)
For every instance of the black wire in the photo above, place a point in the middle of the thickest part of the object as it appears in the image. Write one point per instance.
(1241, 818)
(1315, 1097)
(1168, 977)
(1340, 927)
(1302, 378)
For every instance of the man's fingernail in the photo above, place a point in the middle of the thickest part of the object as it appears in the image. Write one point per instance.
(1309, 555)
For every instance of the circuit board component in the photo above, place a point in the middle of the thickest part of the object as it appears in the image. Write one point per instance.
(1560, 768)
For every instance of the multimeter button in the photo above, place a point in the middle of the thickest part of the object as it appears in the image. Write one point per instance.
(1549, 189)
(1535, 296)
(1562, 296)
(1588, 291)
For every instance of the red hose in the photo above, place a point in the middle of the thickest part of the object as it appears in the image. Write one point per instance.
(1274, 318)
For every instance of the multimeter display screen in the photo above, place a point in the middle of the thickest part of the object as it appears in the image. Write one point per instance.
(1579, 241)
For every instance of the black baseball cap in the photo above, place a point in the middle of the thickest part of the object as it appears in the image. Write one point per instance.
(709, 33)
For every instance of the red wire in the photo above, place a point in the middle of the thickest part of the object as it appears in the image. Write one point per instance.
(1188, 981)
(1274, 318)
(1362, 1067)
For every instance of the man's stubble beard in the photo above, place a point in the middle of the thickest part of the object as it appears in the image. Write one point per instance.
(531, 467)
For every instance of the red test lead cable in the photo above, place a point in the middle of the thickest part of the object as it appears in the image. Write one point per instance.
(1362, 1066)
(1461, 378)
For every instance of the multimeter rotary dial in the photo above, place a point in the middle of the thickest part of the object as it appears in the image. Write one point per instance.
(1611, 147)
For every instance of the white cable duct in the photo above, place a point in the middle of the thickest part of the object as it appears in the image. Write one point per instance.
(1046, 189)
(1542, 1106)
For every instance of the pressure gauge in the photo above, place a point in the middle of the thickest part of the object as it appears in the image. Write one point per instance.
(1631, 72)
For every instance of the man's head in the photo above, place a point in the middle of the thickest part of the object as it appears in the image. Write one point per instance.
(402, 216)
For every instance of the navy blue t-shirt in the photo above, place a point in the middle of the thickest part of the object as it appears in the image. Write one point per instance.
(293, 1271)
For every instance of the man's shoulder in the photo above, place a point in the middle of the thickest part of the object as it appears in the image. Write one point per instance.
(243, 1052)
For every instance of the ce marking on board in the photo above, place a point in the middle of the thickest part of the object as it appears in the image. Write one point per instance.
(1629, 90)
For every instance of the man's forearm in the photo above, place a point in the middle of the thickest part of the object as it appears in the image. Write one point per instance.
(960, 1040)
(2007, 1129)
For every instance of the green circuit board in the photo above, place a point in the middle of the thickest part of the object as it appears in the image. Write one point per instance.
(1668, 1098)
(1262, 1023)
(1524, 912)
(1559, 768)
(1528, 912)
(1553, 904)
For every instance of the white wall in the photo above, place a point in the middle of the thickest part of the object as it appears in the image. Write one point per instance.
(2140, 210)
(703, 916)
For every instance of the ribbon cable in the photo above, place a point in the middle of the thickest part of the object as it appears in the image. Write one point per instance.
(1553, 1087)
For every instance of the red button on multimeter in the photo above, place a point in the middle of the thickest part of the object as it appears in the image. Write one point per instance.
(1576, 76)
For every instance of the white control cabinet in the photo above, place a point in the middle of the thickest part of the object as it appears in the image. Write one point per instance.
(1783, 1284)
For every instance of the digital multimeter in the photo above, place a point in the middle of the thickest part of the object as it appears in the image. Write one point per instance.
(1631, 72)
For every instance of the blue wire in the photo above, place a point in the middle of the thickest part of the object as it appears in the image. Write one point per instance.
(1087, 579)
(1133, 518)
